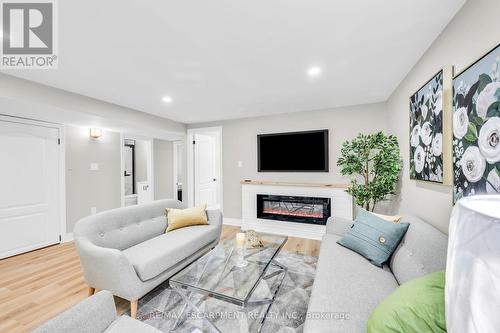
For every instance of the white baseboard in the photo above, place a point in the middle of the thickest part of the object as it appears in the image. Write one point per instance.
(67, 238)
(278, 227)
(232, 221)
(291, 229)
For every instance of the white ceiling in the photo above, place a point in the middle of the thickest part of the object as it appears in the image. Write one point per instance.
(224, 59)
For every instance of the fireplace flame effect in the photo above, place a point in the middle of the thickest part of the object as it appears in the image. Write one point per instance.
(287, 212)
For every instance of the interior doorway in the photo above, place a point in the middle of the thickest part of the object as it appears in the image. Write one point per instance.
(177, 169)
(204, 158)
(137, 170)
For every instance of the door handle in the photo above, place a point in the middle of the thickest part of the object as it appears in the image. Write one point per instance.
(214, 180)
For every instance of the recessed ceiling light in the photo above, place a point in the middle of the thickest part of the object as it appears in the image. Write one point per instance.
(167, 99)
(314, 71)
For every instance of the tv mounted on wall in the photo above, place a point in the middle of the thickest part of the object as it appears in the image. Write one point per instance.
(293, 152)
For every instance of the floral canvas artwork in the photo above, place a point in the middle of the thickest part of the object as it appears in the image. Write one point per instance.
(476, 128)
(426, 131)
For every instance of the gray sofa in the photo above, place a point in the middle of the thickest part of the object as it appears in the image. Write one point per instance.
(94, 314)
(347, 287)
(127, 251)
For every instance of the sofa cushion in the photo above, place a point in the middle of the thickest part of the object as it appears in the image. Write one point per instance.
(156, 255)
(125, 324)
(338, 225)
(124, 227)
(421, 251)
(390, 218)
(416, 306)
(181, 218)
(347, 288)
(373, 237)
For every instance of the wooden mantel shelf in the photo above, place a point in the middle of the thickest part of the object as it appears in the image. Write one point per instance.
(275, 183)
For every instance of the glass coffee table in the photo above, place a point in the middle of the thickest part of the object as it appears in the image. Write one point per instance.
(232, 275)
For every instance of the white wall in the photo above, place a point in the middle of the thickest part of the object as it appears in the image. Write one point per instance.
(239, 143)
(473, 32)
(141, 160)
(23, 98)
(163, 169)
(86, 188)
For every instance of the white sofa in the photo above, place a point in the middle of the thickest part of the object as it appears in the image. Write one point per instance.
(127, 251)
(347, 287)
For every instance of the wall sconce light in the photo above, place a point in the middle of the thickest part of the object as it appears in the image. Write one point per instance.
(95, 133)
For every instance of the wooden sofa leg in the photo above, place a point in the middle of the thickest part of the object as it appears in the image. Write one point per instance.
(91, 291)
(133, 309)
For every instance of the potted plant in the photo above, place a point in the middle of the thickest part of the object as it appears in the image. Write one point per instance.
(373, 163)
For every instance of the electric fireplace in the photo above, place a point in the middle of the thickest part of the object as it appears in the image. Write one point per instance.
(293, 208)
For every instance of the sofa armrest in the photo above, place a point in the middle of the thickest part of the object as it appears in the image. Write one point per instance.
(93, 314)
(338, 225)
(215, 217)
(107, 269)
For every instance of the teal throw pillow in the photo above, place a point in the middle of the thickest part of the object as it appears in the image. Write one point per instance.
(373, 237)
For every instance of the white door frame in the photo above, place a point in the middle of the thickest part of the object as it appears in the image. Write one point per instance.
(176, 145)
(190, 163)
(64, 237)
(150, 171)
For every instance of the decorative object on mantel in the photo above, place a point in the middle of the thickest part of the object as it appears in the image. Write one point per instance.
(376, 161)
(476, 127)
(430, 127)
(472, 296)
(254, 239)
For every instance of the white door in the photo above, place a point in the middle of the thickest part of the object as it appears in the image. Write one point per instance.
(29, 191)
(205, 170)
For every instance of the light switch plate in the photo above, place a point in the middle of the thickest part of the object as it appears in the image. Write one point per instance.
(94, 166)
(240, 164)
(93, 210)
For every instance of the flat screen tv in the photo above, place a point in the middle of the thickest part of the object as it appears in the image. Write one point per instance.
(293, 152)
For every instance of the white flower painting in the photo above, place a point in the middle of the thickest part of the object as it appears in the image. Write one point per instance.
(476, 128)
(426, 131)
(419, 159)
(437, 144)
(473, 164)
(460, 123)
(489, 140)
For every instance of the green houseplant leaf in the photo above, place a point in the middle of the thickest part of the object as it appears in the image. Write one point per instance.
(373, 163)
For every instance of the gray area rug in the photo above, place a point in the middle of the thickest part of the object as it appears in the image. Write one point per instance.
(162, 306)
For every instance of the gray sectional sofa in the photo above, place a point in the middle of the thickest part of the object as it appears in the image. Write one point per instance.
(127, 251)
(347, 287)
(95, 314)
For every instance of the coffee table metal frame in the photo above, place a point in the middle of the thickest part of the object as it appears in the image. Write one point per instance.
(186, 291)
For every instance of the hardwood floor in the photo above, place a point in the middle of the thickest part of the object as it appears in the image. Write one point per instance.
(37, 285)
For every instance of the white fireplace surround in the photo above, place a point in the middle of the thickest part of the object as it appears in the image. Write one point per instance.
(341, 206)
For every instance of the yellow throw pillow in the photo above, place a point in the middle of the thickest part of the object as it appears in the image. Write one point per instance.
(390, 218)
(180, 218)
